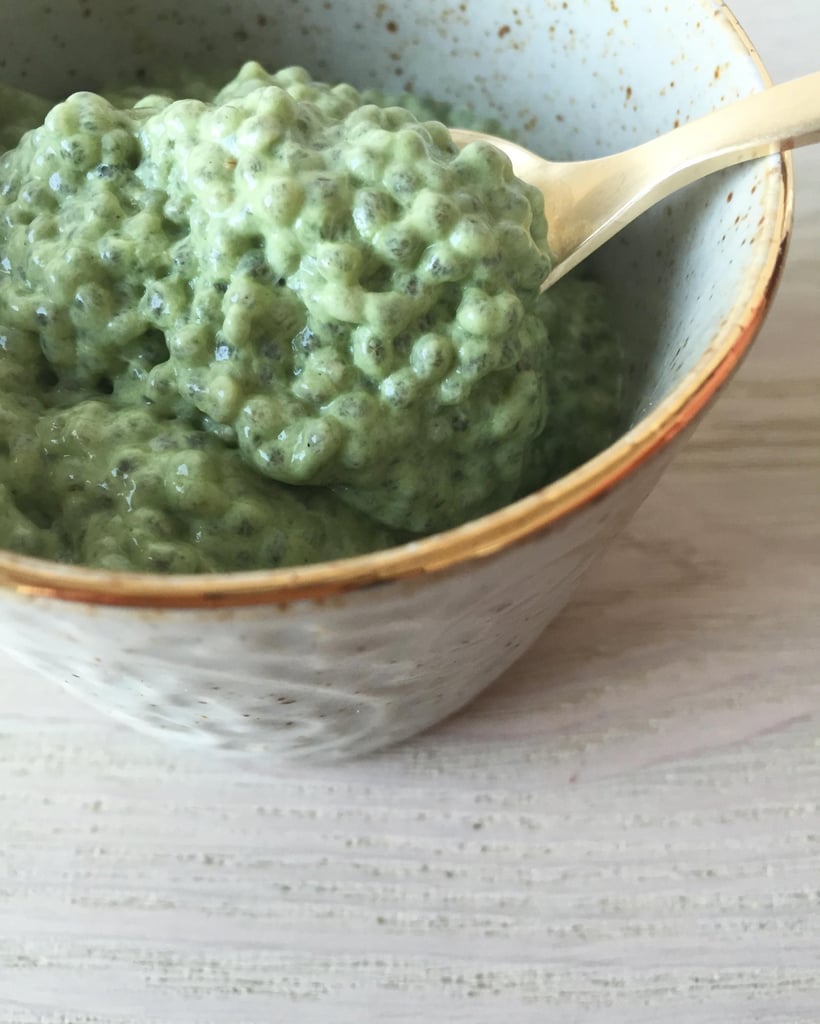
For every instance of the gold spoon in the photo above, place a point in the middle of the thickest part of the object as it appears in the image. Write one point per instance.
(588, 201)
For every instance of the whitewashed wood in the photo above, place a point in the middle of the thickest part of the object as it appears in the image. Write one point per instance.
(625, 828)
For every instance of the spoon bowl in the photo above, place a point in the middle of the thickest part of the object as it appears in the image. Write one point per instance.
(586, 202)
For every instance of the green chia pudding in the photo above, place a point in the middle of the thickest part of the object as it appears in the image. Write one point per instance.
(277, 323)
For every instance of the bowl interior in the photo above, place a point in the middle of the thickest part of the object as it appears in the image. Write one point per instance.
(570, 80)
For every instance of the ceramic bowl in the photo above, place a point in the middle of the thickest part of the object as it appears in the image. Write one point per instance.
(344, 657)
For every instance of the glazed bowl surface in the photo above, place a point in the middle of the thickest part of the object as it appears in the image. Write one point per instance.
(344, 657)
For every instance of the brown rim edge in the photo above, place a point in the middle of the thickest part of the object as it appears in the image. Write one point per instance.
(475, 540)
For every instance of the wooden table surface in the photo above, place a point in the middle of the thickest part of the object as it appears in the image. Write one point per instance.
(625, 828)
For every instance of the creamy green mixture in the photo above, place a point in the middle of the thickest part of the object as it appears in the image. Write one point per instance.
(278, 323)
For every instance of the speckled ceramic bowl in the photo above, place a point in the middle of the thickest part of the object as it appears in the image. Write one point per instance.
(341, 658)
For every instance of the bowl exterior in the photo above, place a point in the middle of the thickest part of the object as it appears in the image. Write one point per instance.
(321, 678)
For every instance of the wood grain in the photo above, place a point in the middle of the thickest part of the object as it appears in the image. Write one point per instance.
(625, 828)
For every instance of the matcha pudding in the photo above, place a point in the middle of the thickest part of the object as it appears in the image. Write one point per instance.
(275, 323)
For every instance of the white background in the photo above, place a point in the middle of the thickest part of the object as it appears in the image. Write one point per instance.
(625, 828)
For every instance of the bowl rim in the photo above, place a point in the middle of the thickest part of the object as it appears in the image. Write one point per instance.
(478, 539)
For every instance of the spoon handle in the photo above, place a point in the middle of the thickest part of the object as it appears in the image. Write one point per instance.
(610, 192)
